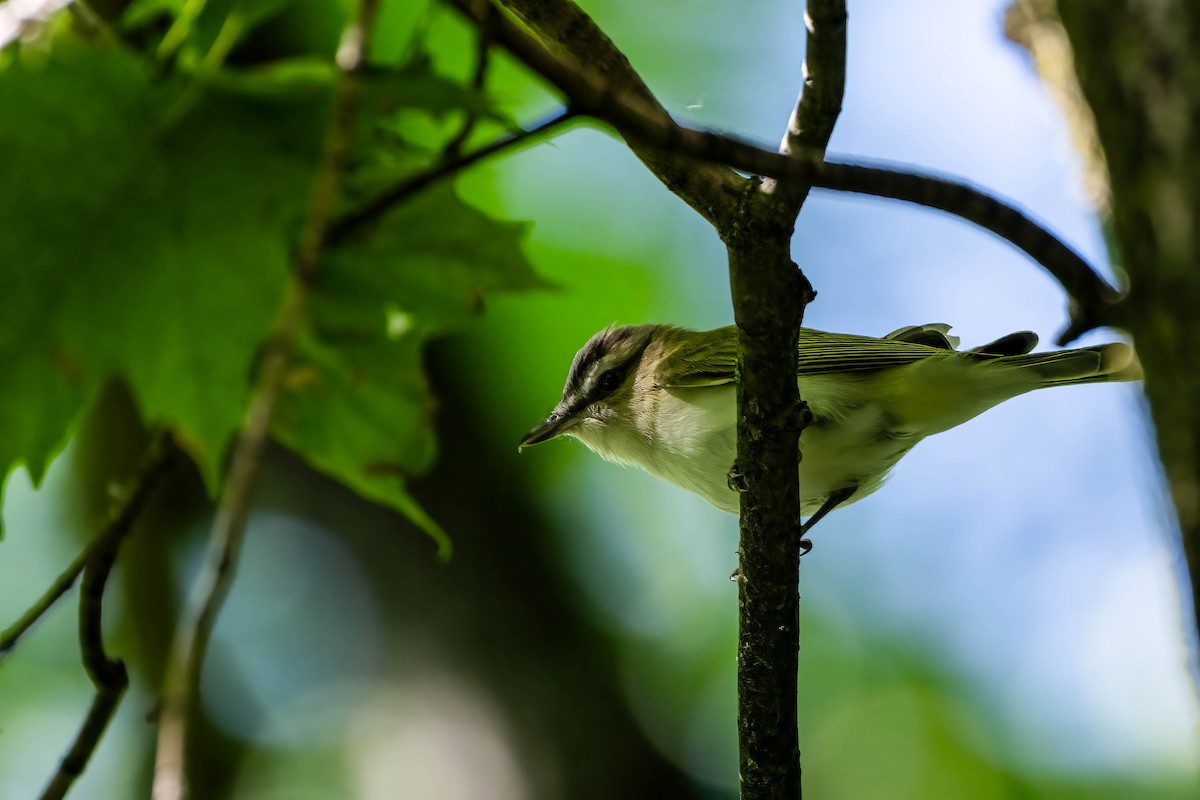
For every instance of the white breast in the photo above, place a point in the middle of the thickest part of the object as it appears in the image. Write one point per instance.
(691, 441)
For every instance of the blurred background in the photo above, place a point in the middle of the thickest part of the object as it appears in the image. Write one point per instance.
(1001, 620)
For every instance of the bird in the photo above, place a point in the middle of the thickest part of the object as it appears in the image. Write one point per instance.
(663, 398)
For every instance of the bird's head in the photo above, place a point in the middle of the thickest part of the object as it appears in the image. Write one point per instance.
(600, 388)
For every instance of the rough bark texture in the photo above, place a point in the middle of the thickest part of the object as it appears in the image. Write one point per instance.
(1138, 64)
(769, 295)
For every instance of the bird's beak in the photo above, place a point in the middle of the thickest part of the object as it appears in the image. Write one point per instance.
(553, 425)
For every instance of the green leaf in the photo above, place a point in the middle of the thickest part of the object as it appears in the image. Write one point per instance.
(410, 113)
(152, 227)
(357, 405)
(156, 254)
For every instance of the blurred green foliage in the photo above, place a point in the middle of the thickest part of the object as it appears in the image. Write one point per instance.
(155, 210)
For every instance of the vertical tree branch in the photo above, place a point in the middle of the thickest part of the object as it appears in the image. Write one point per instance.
(182, 678)
(769, 294)
(108, 675)
(1136, 64)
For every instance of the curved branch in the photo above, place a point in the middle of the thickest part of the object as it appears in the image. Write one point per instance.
(1093, 300)
(568, 33)
(107, 674)
(158, 457)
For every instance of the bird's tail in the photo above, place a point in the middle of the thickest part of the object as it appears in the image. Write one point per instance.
(1103, 363)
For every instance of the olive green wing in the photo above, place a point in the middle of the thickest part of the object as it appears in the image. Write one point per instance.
(934, 335)
(699, 358)
(710, 358)
(822, 352)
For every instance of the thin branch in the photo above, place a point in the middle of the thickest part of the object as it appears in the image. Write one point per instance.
(820, 100)
(412, 185)
(158, 456)
(182, 678)
(564, 29)
(1093, 300)
(104, 705)
(483, 49)
(8, 639)
(108, 675)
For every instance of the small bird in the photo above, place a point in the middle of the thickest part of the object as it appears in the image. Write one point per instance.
(663, 398)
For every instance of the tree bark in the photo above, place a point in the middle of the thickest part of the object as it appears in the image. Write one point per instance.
(1138, 65)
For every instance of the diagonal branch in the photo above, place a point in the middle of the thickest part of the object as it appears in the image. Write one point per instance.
(395, 195)
(570, 35)
(182, 678)
(61, 585)
(647, 124)
(158, 457)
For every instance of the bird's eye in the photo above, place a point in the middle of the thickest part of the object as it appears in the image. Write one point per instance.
(609, 381)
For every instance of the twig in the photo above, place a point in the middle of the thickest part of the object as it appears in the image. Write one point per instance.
(181, 680)
(108, 675)
(158, 456)
(404, 190)
(711, 189)
(8, 639)
(647, 124)
(820, 100)
(483, 49)
(1093, 300)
